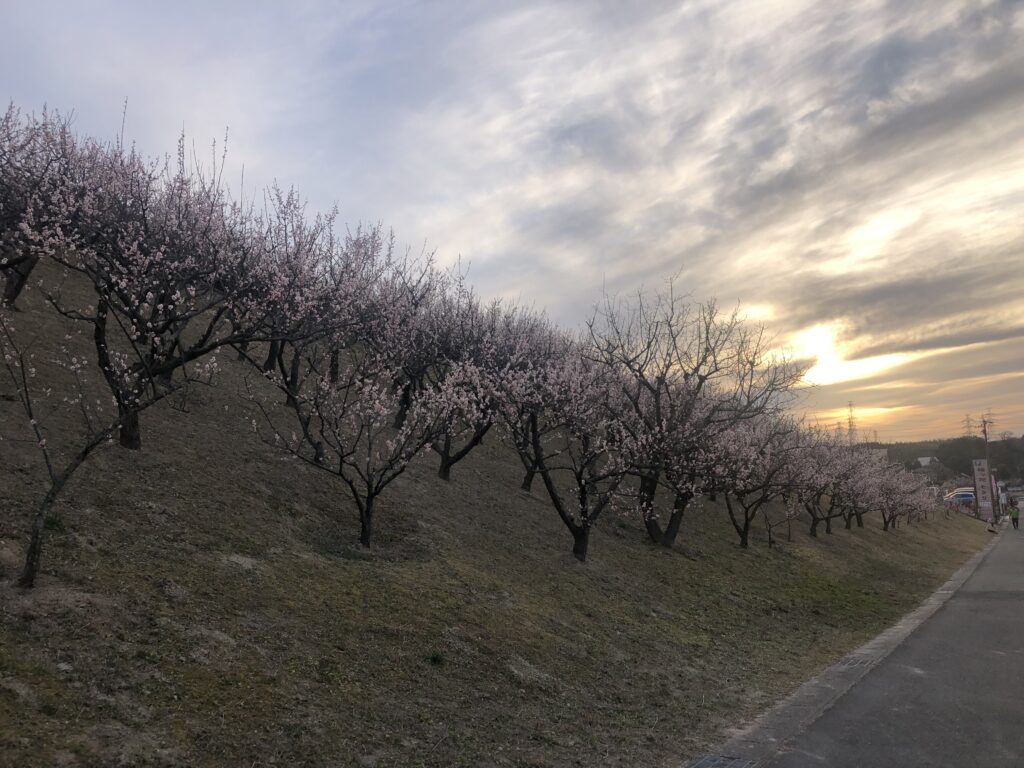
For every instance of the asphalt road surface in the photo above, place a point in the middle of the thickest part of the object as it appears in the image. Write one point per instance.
(952, 694)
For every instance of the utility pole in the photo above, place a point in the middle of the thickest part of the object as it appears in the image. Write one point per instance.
(987, 422)
(851, 423)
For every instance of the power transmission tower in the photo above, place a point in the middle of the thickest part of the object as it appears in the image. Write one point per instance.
(968, 422)
(851, 423)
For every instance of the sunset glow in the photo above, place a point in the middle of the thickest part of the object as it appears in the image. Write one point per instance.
(859, 190)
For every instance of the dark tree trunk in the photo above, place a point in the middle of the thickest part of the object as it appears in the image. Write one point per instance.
(366, 523)
(668, 538)
(527, 483)
(335, 366)
(828, 524)
(35, 551)
(130, 435)
(35, 546)
(645, 505)
(293, 381)
(849, 521)
(742, 529)
(272, 354)
(449, 459)
(242, 349)
(814, 527)
(530, 465)
(17, 278)
(404, 402)
(580, 541)
(444, 471)
(653, 529)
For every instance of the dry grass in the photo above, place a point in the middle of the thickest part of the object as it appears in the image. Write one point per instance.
(202, 604)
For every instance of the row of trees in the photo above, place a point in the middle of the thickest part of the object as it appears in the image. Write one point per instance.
(363, 358)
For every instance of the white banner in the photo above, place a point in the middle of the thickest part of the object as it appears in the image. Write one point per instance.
(983, 488)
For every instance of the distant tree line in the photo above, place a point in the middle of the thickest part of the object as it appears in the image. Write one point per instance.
(957, 453)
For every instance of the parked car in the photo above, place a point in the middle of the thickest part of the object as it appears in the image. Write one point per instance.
(959, 498)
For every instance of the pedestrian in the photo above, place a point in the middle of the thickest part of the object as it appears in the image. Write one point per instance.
(1015, 513)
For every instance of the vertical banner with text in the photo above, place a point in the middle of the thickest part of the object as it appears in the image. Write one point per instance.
(983, 489)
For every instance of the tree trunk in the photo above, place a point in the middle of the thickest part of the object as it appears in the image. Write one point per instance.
(828, 524)
(335, 366)
(645, 505)
(292, 396)
(34, 553)
(272, 354)
(404, 402)
(580, 541)
(444, 471)
(17, 278)
(366, 523)
(527, 483)
(653, 529)
(57, 483)
(743, 531)
(242, 349)
(130, 435)
(814, 527)
(668, 538)
(35, 543)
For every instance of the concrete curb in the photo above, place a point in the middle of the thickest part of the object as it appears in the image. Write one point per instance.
(765, 735)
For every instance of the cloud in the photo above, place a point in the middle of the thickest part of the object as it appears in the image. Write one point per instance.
(858, 167)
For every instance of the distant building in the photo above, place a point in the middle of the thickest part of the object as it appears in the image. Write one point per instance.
(931, 468)
(880, 455)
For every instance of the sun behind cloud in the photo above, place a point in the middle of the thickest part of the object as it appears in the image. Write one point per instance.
(830, 363)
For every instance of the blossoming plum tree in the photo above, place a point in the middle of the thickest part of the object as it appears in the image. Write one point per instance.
(756, 453)
(575, 444)
(34, 156)
(173, 266)
(356, 418)
(687, 372)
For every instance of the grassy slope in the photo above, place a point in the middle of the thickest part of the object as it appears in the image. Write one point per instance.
(201, 604)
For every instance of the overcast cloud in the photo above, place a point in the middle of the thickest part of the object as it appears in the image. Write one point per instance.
(852, 173)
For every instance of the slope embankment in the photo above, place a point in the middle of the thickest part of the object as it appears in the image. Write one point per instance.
(202, 603)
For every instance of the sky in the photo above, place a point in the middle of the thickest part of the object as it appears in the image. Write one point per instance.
(852, 174)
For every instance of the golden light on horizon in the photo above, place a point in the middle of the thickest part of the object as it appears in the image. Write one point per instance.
(866, 417)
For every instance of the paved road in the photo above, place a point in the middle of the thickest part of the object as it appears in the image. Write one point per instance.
(951, 695)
